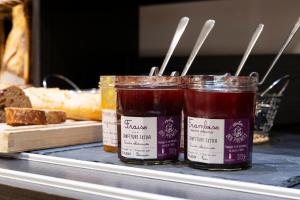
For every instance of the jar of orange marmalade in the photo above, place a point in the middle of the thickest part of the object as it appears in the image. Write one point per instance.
(109, 116)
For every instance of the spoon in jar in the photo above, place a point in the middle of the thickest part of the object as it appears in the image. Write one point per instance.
(174, 73)
(179, 31)
(153, 71)
(207, 27)
(249, 48)
(291, 35)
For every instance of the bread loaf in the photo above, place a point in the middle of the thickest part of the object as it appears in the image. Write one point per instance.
(77, 105)
(15, 62)
(29, 116)
(12, 96)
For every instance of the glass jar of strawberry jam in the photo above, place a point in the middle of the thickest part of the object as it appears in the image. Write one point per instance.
(149, 109)
(219, 118)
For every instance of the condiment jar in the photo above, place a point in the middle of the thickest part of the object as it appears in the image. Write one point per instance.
(109, 115)
(150, 113)
(219, 118)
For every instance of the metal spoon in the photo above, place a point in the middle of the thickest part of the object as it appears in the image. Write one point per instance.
(250, 47)
(283, 88)
(179, 31)
(174, 73)
(275, 83)
(291, 35)
(153, 71)
(208, 26)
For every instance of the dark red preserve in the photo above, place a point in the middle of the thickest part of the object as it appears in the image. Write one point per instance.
(219, 118)
(149, 109)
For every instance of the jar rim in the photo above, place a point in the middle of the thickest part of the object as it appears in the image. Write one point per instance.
(148, 81)
(221, 82)
(107, 81)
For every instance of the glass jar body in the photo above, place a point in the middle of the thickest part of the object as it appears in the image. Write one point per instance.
(149, 109)
(109, 115)
(219, 119)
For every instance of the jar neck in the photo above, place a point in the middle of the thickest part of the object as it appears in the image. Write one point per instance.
(107, 81)
(149, 82)
(222, 83)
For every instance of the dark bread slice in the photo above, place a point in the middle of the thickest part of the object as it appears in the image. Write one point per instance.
(12, 96)
(29, 116)
(55, 116)
(24, 116)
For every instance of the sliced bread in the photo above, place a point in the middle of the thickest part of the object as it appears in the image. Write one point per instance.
(24, 116)
(12, 96)
(55, 116)
(29, 116)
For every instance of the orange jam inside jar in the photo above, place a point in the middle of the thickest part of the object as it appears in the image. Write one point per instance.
(109, 115)
(150, 111)
(219, 118)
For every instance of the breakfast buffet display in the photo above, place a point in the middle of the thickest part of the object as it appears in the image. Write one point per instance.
(146, 120)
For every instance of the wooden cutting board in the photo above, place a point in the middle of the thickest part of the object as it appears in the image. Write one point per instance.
(25, 138)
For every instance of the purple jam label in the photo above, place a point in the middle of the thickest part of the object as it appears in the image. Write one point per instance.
(168, 136)
(236, 141)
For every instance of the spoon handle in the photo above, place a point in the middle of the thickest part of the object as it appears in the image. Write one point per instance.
(275, 83)
(153, 71)
(291, 35)
(179, 31)
(208, 26)
(174, 73)
(250, 47)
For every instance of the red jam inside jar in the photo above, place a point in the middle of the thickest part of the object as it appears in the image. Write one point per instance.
(149, 109)
(219, 118)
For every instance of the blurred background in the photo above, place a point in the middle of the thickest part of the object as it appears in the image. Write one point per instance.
(85, 39)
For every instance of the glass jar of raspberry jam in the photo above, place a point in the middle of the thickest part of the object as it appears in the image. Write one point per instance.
(219, 118)
(149, 109)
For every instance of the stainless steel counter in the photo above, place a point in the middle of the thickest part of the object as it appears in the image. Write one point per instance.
(87, 172)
